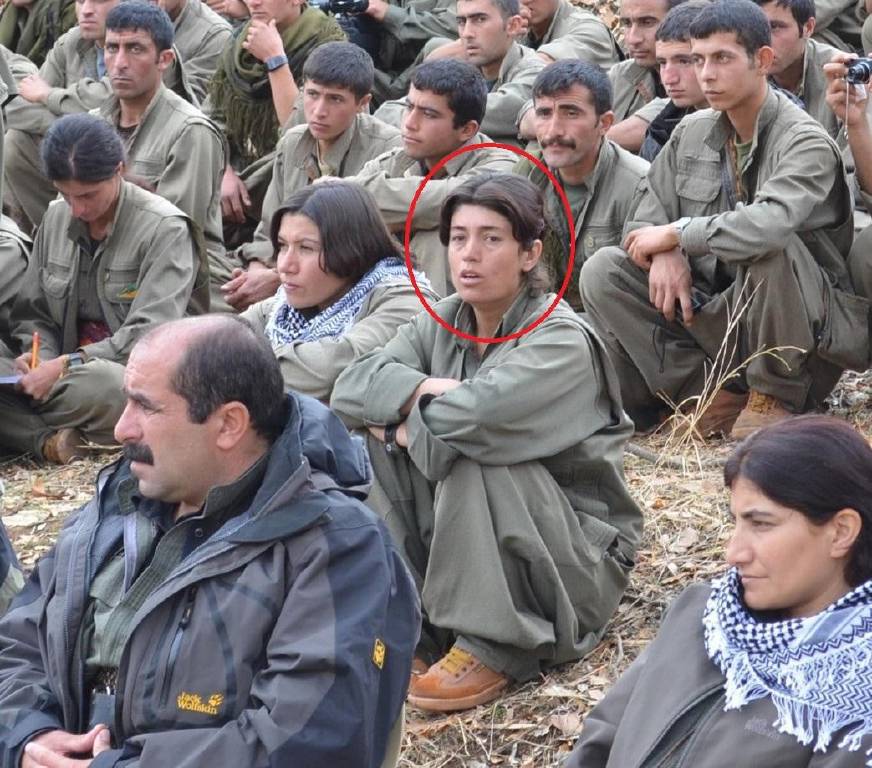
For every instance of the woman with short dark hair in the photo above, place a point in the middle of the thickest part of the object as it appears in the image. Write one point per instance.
(498, 464)
(771, 664)
(345, 286)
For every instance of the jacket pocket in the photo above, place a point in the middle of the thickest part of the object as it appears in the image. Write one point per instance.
(176, 645)
(845, 336)
(121, 285)
(702, 188)
(54, 285)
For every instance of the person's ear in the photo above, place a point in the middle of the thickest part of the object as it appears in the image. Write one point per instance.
(468, 131)
(764, 58)
(531, 256)
(808, 27)
(363, 103)
(606, 121)
(165, 59)
(515, 25)
(233, 423)
(845, 527)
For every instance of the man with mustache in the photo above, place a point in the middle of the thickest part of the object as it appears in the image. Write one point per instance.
(225, 598)
(572, 114)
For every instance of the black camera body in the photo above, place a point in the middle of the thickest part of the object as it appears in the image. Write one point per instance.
(341, 7)
(859, 71)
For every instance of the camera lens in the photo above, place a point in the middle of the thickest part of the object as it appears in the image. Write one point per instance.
(859, 71)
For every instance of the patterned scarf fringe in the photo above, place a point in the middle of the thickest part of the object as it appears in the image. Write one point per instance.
(797, 686)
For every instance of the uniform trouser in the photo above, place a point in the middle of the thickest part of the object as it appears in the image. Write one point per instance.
(651, 355)
(28, 191)
(89, 398)
(501, 561)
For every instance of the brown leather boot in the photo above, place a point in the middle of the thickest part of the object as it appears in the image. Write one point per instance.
(457, 681)
(761, 411)
(63, 446)
(722, 413)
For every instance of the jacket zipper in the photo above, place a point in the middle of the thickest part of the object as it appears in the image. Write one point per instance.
(176, 644)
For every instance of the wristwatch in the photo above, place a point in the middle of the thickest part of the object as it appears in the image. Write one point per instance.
(391, 444)
(72, 360)
(274, 62)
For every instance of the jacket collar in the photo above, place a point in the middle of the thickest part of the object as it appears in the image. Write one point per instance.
(112, 109)
(563, 10)
(510, 60)
(723, 130)
(77, 230)
(513, 320)
(306, 152)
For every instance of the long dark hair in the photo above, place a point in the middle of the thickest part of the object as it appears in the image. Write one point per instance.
(82, 148)
(817, 465)
(354, 236)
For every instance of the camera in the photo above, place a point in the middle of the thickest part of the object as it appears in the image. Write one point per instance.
(859, 71)
(340, 7)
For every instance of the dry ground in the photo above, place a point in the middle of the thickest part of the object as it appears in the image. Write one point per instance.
(535, 725)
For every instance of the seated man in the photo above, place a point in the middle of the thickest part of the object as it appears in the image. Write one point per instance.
(239, 606)
(109, 261)
(798, 61)
(678, 75)
(200, 38)
(443, 111)
(31, 27)
(338, 139)
(557, 29)
(509, 503)
(755, 262)
(487, 30)
(169, 143)
(636, 81)
(252, 94)
(572, 109)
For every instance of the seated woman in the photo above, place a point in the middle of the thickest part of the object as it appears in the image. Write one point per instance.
(110, 261)
(345, 288)
(509, 502)
(770, 665)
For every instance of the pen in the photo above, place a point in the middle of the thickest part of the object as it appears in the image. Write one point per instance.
(34, 351)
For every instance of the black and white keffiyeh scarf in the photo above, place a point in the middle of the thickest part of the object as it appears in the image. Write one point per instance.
(287, 324)
(816, 670)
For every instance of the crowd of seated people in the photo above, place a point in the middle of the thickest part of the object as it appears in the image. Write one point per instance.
(373, 302)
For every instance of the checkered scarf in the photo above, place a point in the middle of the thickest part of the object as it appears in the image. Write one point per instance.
(816, 670)
(287, 324)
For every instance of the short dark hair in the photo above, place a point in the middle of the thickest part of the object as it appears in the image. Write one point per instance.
(801, 10)
(741, 17)
(507, 8)
(341, 65)
(516, 199)
(131, 15)
(675, 27)
(354, 237)
(560, 76)
(461, 83)
(817, 465)
(81, 147)
(231, 362)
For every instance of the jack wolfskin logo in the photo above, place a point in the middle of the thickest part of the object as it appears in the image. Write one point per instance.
(193, 702)
(378, 653)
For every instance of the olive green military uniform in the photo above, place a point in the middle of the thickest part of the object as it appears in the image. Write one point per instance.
(200, 37)
(782, 232)
(510, 92)
(33, 30)
(812, 88)
(600, 206)
(510, 506)
(297, 165)
(180, 152)
(866, 30)
(150, 268)
(633, 87)
(837, 23)
(312, 367)
(394, 179)
(575, 33)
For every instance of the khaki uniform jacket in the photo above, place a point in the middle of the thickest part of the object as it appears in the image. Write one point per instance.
(838, 23)
(549, 396)
(511, 91)
(179, 150)
(575, 33)
(394, 179)
(150, 268)
(637, 721)
(613, 191)
(312, 367)
(813, 87)
(419, 20)
(201, 35)
(632, 87)
(794, 180)
(14, 252)
(296, 166)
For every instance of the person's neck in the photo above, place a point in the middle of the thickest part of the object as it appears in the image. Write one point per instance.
(325, 145)
(132, 110)
(744, 117)
(287, 23)
(227, 474)
(489, 316)
(790, 77)
(175, 12)
(429, 162)
(99, 228)
(491, 71)
(541, 29)
(575, 175)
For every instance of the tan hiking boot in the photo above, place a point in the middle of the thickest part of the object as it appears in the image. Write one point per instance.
(722, 413)
(63, 446)
(457, 681)
(761, 411)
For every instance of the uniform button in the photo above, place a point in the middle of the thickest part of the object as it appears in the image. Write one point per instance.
(198, 533)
